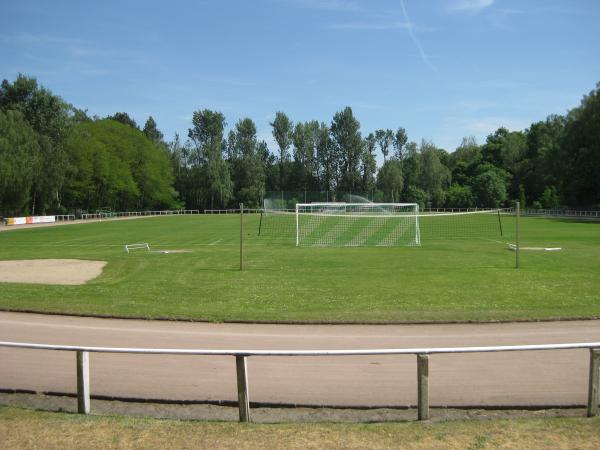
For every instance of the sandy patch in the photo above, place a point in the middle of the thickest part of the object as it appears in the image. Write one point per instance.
(50, 271)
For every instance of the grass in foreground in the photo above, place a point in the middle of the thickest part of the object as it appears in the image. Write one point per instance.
(25, 429)
(442, 280)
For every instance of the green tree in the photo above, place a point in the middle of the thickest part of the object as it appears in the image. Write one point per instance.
(489, 188)
(459, 196)
(327, 161)
(390, 180)
(544, 161)
(549, 198)
(210, 178)
(463, 162)
(247, 167)
(385, 140)
(19, 158)
(123, 117)
(50, 118)
(413, 194)
(348, 145)
(400, 140)
(581, 170)
(116, 165)
(505, 149)
(152, 132)
(368, 164)
(282, 133)
(434, 176)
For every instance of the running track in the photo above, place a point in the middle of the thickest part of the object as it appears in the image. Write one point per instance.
(548, 378)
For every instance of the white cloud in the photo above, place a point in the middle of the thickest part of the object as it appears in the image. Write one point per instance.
(469, 5)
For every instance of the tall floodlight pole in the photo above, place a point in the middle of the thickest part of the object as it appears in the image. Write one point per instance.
(517, 237)
(241, 236)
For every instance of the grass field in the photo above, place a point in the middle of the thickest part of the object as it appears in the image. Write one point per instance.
(23, 429)
(442, 280)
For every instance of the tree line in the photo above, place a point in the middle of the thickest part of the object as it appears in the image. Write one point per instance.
(55, 158)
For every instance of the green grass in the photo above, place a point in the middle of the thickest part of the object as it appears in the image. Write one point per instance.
(23, 429)
(443, 280)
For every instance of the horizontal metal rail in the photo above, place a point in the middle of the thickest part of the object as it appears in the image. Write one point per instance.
(561, 213)
(63, 217)
(110, 214)
(241, 356)
(233, 211)
(356, 352)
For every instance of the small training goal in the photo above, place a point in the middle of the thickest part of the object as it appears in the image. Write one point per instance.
(141, 246)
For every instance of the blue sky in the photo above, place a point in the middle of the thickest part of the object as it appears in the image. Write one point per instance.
(441, 69)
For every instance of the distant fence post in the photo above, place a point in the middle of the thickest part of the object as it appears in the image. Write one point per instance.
(423, 386)
(242, 385)
(594, 387)
(83, 382)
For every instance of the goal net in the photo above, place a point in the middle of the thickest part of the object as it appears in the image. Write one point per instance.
(372, 224)
(357, 224)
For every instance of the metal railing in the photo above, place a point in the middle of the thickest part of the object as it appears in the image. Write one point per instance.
(569, 213)
(110, 215)
(64, 217)
(233, 211)
(241, 358)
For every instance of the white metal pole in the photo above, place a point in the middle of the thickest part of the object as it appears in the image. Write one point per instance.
(83, 382)
(594, 383)
(242, 384)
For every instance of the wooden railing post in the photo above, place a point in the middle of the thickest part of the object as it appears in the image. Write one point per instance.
(423, 386)
(83, 382)
(242, 385)
(594, 386)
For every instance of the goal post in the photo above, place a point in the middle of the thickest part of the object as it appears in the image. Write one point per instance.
(357, 224)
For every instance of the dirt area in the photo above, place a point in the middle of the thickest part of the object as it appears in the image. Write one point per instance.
(261, 414)
(50, 271)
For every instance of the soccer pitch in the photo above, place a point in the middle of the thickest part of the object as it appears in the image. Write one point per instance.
(468, 279)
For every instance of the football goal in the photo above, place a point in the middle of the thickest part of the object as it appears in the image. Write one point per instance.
(357, 224)
(387, 224)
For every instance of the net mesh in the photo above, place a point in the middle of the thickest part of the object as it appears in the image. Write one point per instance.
(357, 224)
(483, 224)
(381, 225)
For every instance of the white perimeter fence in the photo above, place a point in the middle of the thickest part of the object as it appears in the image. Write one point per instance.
(233, 211)
(168, 212)
(241, 359)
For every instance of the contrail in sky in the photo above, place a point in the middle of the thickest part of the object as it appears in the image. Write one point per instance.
(424, 56)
